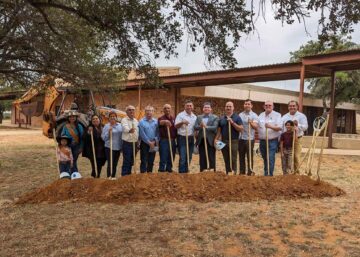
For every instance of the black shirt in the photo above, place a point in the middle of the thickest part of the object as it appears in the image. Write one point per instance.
(224, 126)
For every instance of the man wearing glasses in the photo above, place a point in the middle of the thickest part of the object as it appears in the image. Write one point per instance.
(301, 125)
(270, 126)
(130, 137)
(148, 128)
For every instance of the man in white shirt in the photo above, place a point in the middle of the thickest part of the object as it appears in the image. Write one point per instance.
(247, 116)
(185, 122)
(130, 134)
(269, 121)
(301, 125)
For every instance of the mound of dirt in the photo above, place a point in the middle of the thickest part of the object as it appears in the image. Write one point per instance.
(202, 187)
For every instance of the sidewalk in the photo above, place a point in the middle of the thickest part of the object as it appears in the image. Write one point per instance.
(336, 151)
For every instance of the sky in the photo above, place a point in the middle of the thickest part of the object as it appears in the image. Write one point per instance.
(272, 43)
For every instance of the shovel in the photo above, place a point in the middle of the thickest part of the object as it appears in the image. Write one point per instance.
(267, 152)
(93, 150)
(187, 148)
(111, 154)
(250, 150)
(206, 150)
(170, 145)
(134, 153)
(230, 152)
(56, 150)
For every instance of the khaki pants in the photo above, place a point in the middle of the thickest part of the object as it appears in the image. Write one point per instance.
(286, 161)
(297, 153)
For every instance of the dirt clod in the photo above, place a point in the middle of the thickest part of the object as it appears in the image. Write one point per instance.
(203, 187)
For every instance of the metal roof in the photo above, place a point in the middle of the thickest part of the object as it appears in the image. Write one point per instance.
(315, 66)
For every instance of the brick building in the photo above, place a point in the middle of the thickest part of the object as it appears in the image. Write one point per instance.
(345, 113)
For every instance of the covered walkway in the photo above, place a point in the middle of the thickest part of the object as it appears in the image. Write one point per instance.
(322, 65)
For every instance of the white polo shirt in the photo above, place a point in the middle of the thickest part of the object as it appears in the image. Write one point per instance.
(273, 118)
(300, 118)
(128, 124)
(191, 118)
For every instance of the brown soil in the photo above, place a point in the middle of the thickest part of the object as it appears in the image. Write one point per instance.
(203, 187)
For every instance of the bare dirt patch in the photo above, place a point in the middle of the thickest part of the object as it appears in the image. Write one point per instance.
(305, 227)
(203, 187)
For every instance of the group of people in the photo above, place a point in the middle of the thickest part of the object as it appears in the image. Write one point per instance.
(232, 133)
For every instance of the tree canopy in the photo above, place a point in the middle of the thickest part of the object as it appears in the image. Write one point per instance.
(347, 84)
(93, 42)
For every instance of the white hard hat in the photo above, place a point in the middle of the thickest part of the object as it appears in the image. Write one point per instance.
(219, 145)
(75, 175)
(64, 175)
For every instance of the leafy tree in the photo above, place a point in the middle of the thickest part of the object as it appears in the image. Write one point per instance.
(71, 39)
(5, 105)
(347, 84)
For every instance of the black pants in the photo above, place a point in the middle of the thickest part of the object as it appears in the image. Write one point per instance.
(202, 155)
(244, 151)
(100, 163)
(226, 154)
(147, 158)
(115, 159)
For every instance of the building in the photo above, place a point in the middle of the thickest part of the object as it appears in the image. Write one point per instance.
(345, 113)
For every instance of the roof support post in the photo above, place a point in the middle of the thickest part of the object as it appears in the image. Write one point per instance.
(301, 95)
(332, 109)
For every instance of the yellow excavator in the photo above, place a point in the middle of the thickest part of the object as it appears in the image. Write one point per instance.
(55, 116)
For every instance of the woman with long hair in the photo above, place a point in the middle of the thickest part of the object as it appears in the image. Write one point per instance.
(95, 128)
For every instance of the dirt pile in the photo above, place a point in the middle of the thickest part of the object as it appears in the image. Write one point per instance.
(203, 187)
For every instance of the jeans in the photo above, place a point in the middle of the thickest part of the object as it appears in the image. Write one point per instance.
(181, 140)
(115, 160)
(273, 144)
(128, 156)
(75, 150)
(147, 158)
(165, 156)
(64, 166)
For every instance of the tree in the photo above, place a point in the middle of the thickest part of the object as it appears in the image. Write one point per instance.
(347, 84)
(5, 105)
(72, 38)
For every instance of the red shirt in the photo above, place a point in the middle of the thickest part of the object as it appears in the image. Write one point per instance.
(287, 138)
(163, 130)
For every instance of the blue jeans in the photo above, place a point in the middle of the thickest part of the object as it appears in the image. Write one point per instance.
(147, 158)
(181, 140)
(75, 150)
(64, 166)
(165, 156)
(128, 156)
(273, 144)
